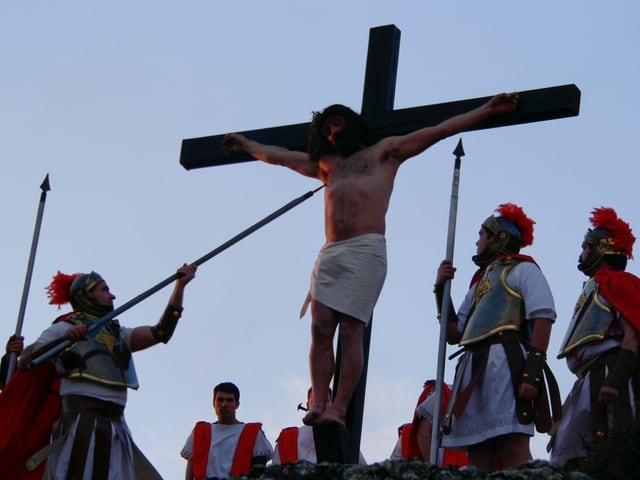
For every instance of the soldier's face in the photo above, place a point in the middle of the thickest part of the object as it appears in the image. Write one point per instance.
(103, 295)
(586, 251)
(483, 240)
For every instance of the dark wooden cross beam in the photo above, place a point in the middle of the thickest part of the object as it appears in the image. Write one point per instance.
(377, 110)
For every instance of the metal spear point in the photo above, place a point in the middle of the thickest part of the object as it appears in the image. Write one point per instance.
(53, 348)
(436, 435)
(45, 187)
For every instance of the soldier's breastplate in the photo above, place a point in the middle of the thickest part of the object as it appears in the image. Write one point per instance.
(497, 307)
(591, 319)
(104, 359)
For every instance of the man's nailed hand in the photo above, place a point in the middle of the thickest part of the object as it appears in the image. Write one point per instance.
(504, 103)
(232, 142)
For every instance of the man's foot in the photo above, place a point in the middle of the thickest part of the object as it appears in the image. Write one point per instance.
(330, 415)
(311, 418)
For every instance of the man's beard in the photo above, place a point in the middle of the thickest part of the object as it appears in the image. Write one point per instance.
(346, 144)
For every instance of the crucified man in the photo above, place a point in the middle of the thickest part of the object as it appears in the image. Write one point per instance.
(351, 267)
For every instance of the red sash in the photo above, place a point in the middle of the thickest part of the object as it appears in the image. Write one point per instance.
(408, 431)
(244, 450)
(241, 459)
(201, 444)
(455, 458)
(408, 442)
(288, 445)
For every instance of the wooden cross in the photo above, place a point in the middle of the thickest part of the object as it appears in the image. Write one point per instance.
(377, 110)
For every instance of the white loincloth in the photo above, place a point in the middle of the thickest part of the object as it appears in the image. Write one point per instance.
(348, 275)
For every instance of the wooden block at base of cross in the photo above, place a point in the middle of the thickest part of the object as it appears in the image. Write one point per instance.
(332, 443)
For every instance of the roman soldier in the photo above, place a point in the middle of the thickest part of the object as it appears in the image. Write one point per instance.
(601, 343)
(91, 439)
(503, 326)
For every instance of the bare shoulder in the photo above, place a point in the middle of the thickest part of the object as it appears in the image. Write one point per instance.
(384, 151)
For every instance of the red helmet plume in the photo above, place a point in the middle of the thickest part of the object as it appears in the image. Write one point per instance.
(516, 215)
(621, 236)
(58, 289)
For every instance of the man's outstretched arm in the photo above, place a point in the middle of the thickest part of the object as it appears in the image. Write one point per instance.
(272, 154)
(414, 143)
(147, 336)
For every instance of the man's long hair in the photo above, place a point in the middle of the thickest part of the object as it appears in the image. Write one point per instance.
(351, 139)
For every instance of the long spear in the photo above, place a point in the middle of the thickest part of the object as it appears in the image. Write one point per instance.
(45, 187)
(49, 350)
(446, 307)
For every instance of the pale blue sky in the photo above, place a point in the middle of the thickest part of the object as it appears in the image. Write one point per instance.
(100, 95)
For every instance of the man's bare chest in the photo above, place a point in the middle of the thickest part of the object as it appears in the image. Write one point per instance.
(354, 166)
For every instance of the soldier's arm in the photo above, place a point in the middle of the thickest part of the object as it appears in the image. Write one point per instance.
(536, 356)
(625, 366)
(188, 474)
(147, 336)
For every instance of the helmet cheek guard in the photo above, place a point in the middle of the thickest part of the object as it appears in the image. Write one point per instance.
(601, 247)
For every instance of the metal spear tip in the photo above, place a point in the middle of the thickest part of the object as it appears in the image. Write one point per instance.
(45, 187)
(459, 151)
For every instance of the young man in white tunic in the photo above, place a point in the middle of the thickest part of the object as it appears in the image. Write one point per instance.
(224, 454)
(351, 266)
(503, 324)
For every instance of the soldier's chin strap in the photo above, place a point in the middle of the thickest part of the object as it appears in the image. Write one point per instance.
(163, 330)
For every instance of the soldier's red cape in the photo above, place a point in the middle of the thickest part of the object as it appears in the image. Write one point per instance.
(622, 290)
(30, 404)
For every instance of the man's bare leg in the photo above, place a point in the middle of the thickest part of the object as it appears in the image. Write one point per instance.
(352, 332)
(321, 358)
(423, 436)
(513, 450)
(483, 455)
